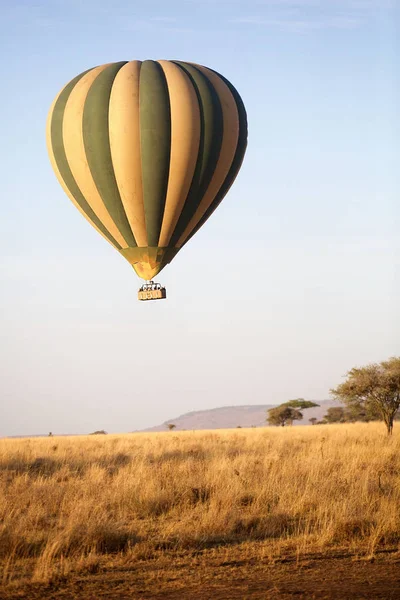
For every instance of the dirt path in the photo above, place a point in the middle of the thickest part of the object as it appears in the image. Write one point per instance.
(338, 578)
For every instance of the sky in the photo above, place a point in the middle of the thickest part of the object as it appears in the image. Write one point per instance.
(294, 279)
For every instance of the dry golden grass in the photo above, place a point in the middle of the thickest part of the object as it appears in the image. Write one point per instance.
(70, 503)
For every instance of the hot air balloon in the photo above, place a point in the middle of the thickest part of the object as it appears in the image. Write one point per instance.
(146, 151)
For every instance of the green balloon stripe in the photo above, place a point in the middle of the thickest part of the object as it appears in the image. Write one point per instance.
(237, 160)
(96, 137)
(210, 145)
(57, 143)
(155, 145)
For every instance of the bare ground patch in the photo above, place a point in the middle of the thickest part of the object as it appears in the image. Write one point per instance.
(217, 575)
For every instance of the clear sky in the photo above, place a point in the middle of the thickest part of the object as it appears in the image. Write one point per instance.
(294, 279)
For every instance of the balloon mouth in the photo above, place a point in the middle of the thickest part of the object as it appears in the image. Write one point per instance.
(146, 271)
(148, 261)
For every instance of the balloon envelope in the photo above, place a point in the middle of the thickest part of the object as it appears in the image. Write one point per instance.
(146, 151)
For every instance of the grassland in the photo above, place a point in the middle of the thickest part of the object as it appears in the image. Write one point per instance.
(84, 505)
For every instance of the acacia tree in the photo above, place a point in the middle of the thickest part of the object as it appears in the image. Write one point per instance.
(171, 426)
(300, 403)
(280, 415)
(374, 388)
(335, 414)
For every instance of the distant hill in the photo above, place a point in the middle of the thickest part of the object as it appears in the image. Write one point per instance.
(228, 417)
(225, 417)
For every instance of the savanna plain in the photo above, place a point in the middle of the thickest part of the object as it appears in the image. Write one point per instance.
(293, 512)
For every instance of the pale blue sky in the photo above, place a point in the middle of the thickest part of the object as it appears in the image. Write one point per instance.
(307, 241)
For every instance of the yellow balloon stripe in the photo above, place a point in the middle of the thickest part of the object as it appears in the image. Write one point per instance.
(124, 130)
(75, 152)
(185, 139)
(58, 174)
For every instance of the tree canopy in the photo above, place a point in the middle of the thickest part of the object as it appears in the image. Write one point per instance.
(288, 412)
(335, 414)
(300, 403)
(280, 415)
(374, 388)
